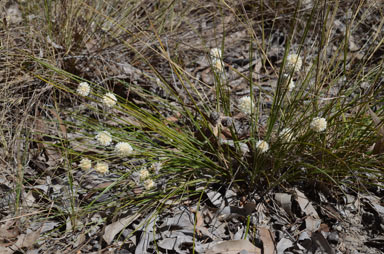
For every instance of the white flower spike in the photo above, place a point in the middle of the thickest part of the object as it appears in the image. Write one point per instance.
(318, 124)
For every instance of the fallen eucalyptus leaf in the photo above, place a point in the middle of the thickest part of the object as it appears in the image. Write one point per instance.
(312, 224)
(319, 239)
(282, 245)
(267, 239)
(215, 197)
(27, 240)
(284, 200)
(305, 205)
(112, 229)
(379, 144)
(234, 247)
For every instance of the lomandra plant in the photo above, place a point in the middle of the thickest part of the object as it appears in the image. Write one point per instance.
(317, 127)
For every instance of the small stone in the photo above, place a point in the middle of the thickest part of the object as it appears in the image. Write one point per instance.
(333, 237)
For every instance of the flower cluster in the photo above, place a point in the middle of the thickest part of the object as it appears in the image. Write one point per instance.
(102, 167)
(123, 149)
(262, 146)
(318, 124)
(216, 57)
(216, 53)
(109, 99)
(85, 164)
(83, 89)
(246, 104)
(144, 174)
(104, 138)
(149, 184)
(294, 62)
(291, 85)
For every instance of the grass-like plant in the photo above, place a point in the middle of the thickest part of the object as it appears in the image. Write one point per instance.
(313, 124)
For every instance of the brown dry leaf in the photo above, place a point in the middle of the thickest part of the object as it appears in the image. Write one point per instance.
(199, 219)
(79, 240)
(379, 145)
(8, 231)
(91, 45)
(319, 239)
(234, 247)
(6, 250)
(113, 229)
(29, 199)
(54, 155)
(62, 127)
(200, 226)
(305, 205)
(267, 239)
(27, 240)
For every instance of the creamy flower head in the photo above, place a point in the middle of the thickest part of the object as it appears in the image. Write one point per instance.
(83, 89)
(294, 62)
(287, 135)
(109, 99)
(148, 184)
(291, 85)
(102, 167)
(218, 65)
(262, 146)
(216, 53)
(104, 138)
(85, 164)
(123, 149)
(319, 124)
(246, 104)
(144, 174)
